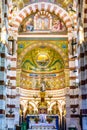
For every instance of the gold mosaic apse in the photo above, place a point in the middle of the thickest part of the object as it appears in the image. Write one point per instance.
(43, 61)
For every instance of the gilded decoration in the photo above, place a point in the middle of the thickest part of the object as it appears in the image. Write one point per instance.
(43, 61)
(34, 82)
(62, 46)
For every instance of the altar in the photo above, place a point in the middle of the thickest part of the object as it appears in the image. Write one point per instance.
(42, 123)
(43, 126)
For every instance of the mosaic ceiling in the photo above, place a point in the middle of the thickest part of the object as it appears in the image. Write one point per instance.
(43, 61)
(62, 3)
(33, 57)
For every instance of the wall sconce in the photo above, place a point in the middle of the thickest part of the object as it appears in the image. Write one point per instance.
(74, 57)
(74, 71)
(8, 83)
(75, 84)
(11, 45)
(9, 67)
(73, 43)
(71, 11)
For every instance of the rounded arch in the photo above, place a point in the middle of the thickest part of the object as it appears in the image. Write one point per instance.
(60, 104)
(33, 104)
(53, 103)
(46, 7)
(39, 44)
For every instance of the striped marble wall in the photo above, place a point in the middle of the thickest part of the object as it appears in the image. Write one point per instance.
(2, 85)
(0, 18)
(2, 70)
(83, 79)
(7, 91)
(85, 19)
(6, 59)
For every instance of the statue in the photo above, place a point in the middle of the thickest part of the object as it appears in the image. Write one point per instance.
(43, 86)
(29, 25)
(58, 26)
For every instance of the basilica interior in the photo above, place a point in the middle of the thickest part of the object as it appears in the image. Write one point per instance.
(43, 62)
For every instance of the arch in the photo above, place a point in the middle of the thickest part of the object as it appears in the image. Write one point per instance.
(42, 12)
(53, 103)
(34, 105)
(47, 7)
(39, 44)
(59, 104)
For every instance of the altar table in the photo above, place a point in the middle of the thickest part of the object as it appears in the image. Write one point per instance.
(44, 126)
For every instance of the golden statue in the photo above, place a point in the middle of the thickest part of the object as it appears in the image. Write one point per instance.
(42, 106)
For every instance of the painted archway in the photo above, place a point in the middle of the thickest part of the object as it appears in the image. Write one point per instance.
(58, 11)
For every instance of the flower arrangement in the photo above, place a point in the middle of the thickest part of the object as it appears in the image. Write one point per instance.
(49, 119)
(36, 119)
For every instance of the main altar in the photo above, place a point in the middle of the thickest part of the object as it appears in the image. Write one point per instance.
(42, 120)
(43, 123)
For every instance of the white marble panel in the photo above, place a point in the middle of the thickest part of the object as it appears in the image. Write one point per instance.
(13, 64)
(2, 90)
(3, 123)
(72, 64)
(2, 104)
(84, 122)
(2, 61)
(13, 73)
(1, 75)
(84, 104)
(10, 123)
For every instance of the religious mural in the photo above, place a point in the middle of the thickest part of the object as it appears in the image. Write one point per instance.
(58, 25)
(29, 26)
(42, 21)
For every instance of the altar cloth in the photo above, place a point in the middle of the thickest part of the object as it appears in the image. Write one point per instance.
(43, 124)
